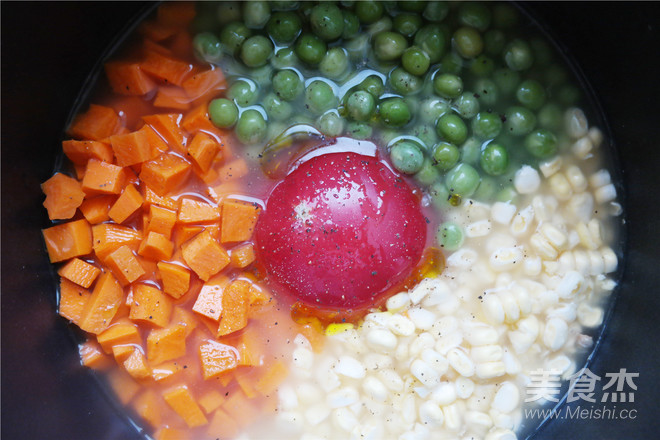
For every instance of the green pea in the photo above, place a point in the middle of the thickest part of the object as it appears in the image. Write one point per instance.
(372, 84)
(351, 24)
(486, 190)
(426, 135)
(207, 47)
(319, 97)
(406, 157)
(445, 156)
(450, 236)
(244, 92)
(287, 84)
(471, 150)
(327, 21)
(427, 174)
(404, 83)
(436, 11)
(263, 76)
(531, 94)
(486, 125)
(233, 35)
(452, 128)
(310, 49)
(335, 63)
(519, 121)
(550, 116)
(415, 60)
(507, 194)
(256, 14)
(284, 27)
(494, 159)
(251, 127)
(276, 108)
(474, 14)
(451, 63)
(439, 195)
(330, 123)
(487, 92)
(361, 105)
(542, 51)
(223, 112)
(358, 48)
(227, 12)
(504, 16)
(468, 42)
(467, 105)
(433, 41)
(384, 24)
(448, 85)
(368, 11)
(482, 66)
(284, 5)
(494, 42)
(359, 130)
(256, 51)
(394, 112)
(432, 108)
(462, 180)
(518, 55)
(284, 57)
(416, 6)
(506, 80)
(389, 46)
(541, 143)
(407, 24)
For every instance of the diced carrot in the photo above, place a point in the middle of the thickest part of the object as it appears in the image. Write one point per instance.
(73, 300)
(92, 356)
(68, 240)
(167, 127)
(156, 142)
(181, 400)
(80, 152)
(122, 332)
(124, 265)
(183, 233)
(204, 255)
(203, 149)
(133, 148)
(126, 205)
(95, 124)
(312, 329)
(122, 352)
(153, 30)
(108, 237)
(165, 344)
(165, 68)
(234, 307)
(235, 169)
(63, 196)
(176, 279)
(165, 370)
(226, 190)
(245, 380)
(201, 83)
(217, 358)
(209, 299)
(240, 408)
(95, 209)
(79, 272)
(196, 211)
(151, 198)
(164, 173)
(178, 14)
(238, 220)
(127, 78)
(272, 378)
(181, 43)
(222, 425)
(258, 296)
(151, 305)
(167, 433)
(161, 220)
(103, 178)
(211, 401)
(197, 119)
(156, 247)
(102, 305)
(242, 255)
(172, 97)
(124, 386)
(136, 365)
(148, 406)
(183, 317)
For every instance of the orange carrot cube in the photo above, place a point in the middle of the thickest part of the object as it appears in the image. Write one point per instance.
(165, 370)
(109, 237)
(272, 378)
(95, 124)
(68, 240)
(165, 68)
(128, 79)
(136, 365)
(156, 247)
(63, 196)
(132, 148)
(201, 83)
(126, 205)
(152, 198)
(148, 406)
(217, 358)
(211, 401)
(120, 333)
(124, 386)
(150, 305)
(204, 255)
(181, 400)
(203, 149)
(222, 425)
(103, 178)
(176, 279)
(124, 265)
(80, 152)
(239, 219)
(161, 220)
(242, 255)
(73, 300)
(234, 307)
(172, 97)
(102, 306)
(209, 299)
(167, 127)
(164, 173)
(167, 433)
(79, 272)
(95, 209)
(195, 211)
(92, 356)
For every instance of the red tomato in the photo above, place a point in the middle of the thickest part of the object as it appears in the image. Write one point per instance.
(339, 230)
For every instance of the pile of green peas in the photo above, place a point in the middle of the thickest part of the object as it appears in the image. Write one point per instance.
(459, 94)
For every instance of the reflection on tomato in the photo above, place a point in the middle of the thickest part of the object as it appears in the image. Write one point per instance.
(340, 230)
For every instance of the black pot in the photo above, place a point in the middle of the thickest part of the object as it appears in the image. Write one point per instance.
(48, 50)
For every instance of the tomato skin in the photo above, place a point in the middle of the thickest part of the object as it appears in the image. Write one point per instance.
(340, 230)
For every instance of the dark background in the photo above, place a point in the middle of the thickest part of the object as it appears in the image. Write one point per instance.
(48, 49)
